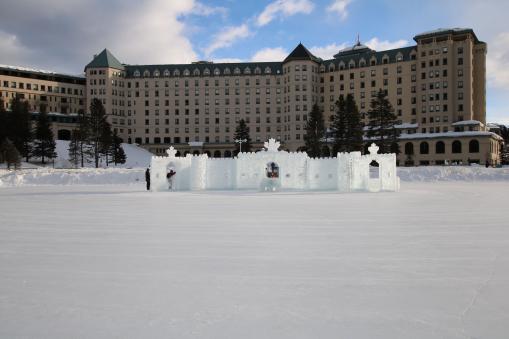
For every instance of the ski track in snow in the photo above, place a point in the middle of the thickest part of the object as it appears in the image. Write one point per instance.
(114, 261)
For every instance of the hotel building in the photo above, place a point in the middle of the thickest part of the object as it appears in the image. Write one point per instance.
(437, 88)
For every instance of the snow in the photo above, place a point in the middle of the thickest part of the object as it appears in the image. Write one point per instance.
(466, 122)
(406, 136)
(130, 176)
(114, 261)
(136, 156)
(42, 71)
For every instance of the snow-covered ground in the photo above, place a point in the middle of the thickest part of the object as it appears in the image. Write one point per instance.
(129, 176)
(114, 261)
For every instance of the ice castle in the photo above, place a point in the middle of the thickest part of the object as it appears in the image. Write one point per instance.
(272, 170)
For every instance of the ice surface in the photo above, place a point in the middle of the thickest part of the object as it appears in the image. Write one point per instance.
(117, 262)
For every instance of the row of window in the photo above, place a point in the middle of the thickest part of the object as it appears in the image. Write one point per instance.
(456, 147)
(42, 88)
(206, 72)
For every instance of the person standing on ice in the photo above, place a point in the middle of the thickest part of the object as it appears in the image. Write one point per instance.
(147, 178)
(169, 177)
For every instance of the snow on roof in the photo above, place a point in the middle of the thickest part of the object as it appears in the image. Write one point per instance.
(405, 136)
(404, 125)
(41, 71)
(467, 122)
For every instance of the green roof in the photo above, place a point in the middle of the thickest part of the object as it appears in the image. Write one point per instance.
(105, 60)
(301, 53)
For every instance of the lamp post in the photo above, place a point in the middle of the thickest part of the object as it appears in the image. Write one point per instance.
(240, 142)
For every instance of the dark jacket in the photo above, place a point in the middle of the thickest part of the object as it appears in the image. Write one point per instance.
(147, 175)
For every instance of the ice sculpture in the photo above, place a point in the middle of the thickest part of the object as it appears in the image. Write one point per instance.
(272, 170)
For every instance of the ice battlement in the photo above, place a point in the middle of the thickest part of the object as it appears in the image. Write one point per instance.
(272, 169)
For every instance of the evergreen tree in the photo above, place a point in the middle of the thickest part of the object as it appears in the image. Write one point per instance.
(9, 154)
(83, 133)
(242, 133)
(20, 127)
(315, 132)
(354, 125)
(44, 145)
(382, 124)
(106, 142)
(74, 148)
(339, 126)
(97, 121)
(118, 154)
(3, 122)
(347, 126)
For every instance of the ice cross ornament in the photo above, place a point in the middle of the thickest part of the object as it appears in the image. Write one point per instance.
(272, 145)
(373, 149)
(171, 152)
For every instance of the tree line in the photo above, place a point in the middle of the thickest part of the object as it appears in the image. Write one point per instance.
(91, 140)
(347, 130)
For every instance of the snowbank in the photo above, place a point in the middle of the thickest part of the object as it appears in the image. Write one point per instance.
(136, 156)
(85, 176)
(126, 176)
(453, 173)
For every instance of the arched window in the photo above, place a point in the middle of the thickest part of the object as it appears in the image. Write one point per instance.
(137, 74)
(424, 148)
(247, 70)
(258, 70)
(331, 67)
(157, 73)
(217, 71)
(456, 146)
(351, 64)
(146, 73)
(473, 146)
(176, 73)
(409, 148)
(236, 70)
(206, 71)
(196, 72)
(186, 72)
(267, 70)
(217, 154)
(196, 153)
(362, 63)
(440, 147)
(227, 71)
(166, 73)
(227, 154)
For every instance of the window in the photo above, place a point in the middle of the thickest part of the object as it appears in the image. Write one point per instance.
(409, 148)
(424, 147)
(456, 146)
(440, 147)
(473, 146)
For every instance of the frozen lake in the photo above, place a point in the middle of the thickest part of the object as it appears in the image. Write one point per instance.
(116, 262)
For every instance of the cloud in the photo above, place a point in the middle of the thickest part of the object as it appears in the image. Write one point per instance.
(204, 10)
(13, 52)
(270, 54)
(497, 62)
(227, 37)
(227, 60)
(382, 45)
(64, 35)
(339, 7)
(327, 52)
(283, 8)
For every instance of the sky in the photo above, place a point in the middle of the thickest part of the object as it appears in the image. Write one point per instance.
(63, 35)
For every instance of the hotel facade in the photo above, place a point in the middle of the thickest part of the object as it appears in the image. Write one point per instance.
(437, 88)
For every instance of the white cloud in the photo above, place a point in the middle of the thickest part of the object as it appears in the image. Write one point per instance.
(382, 45)
(497, 61)
(270, 54)
(202, 9)
(13, 52)
(283, 8)
(227, 37)
(227, 60)
(339, 7)
(327, 52)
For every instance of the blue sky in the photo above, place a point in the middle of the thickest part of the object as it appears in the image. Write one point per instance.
(62, 35)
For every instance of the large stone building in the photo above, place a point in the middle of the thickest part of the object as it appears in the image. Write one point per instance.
(437, 88)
